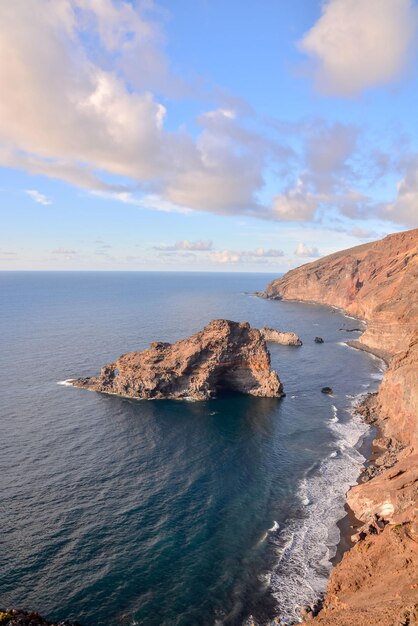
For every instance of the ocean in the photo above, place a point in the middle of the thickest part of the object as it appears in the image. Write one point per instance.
(121, 512)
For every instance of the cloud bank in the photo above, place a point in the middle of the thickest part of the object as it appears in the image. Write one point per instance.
(96, 116)
(239, 256)
(87, 114)
(185, 244)
(302, 250)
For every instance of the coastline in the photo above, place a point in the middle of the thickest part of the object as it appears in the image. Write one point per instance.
(350, 525)
(375, 581)
(381, 354)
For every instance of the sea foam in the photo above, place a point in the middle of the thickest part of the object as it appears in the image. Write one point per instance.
(305, 547)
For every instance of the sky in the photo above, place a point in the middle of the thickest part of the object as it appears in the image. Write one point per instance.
(204, 135)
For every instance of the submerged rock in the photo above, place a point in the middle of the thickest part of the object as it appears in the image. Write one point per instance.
(283, 338)
(224, 355)
(351, 330)
(327, 390)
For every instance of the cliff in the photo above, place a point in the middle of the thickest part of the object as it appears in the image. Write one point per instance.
(224, 355)
(376, 282)
(376, 581)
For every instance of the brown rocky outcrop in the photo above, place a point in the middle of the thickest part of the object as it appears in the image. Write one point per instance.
(376, 581)
(224, 355)
(17, 617)
(283, 338)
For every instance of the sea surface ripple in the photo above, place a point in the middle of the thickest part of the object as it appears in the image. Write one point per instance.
(117, 512)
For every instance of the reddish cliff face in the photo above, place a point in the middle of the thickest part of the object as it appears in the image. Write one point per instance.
(224, 355)
(376, 582)
(377, 282)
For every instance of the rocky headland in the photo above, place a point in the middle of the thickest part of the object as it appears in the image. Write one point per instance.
(281, 337)
(376, 582)
(224, 356)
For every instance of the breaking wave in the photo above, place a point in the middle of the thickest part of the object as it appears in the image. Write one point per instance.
(304, 548)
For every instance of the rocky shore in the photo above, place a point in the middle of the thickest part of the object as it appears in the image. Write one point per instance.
(223, 356)
(376, 581)
(17, 617)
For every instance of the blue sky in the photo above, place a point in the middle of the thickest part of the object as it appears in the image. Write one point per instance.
(205, 135)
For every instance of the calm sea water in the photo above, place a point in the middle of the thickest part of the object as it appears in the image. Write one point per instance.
(120, 512)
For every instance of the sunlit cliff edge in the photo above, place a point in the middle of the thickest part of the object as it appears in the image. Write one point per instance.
(377, 580)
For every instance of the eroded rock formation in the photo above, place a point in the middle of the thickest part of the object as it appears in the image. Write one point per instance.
(283, 338)
(224, 355)
(376, 583)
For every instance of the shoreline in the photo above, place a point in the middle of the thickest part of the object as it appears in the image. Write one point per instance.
(349, 525)
(375, 581)
(380, 354)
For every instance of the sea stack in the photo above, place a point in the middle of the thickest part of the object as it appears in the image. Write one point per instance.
(281, 337)
(224, 356)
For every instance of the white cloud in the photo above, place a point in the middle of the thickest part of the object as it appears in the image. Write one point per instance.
(404, 208)
(303, 250)
(234, 256)
(225, 256)
(197, 246)
(325, 172)
(272, 253)
(60, 107)
(64, 251)
(224, 171)
(329, 149)
(148, 201)
(86, 113)
(38, 197)
(358, 44)
(296, 204)
(176, 256)
(363, 233)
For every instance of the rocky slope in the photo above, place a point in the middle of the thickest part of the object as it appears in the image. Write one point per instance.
(225, 355)
(377, 580)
